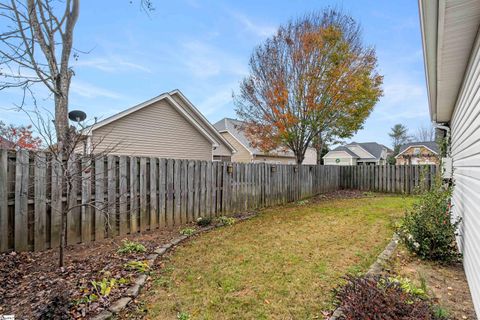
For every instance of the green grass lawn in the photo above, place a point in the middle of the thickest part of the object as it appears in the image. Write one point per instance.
(282, 264)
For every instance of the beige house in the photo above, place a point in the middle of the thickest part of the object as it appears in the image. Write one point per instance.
(425, 152)
(167, 126)
(352, 154)
(232, 131)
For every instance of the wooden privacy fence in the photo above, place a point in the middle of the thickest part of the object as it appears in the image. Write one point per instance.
(387, 178)
(119, 195)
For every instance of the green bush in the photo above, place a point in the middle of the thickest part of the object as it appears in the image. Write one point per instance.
(204, 221)
(429, 230)
(131, 247)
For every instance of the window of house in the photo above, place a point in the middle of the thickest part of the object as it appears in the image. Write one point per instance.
(416, 151)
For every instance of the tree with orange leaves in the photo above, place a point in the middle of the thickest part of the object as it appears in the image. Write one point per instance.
(313, 80)
(19, 137)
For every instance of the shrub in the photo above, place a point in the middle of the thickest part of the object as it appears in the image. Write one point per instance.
(187, 231)
(226, 221)
(429, 230)
(363, 297)
(204, 221)
(131, 247)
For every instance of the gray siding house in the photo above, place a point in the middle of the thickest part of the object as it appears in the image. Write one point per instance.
(451, 45)
(354, 153)
(167, 126)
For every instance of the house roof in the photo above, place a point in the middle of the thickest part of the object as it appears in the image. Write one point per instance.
(375, 149)
(432, 145)
(235, 128)
(202, 124)
(449, 29)
(345, 149)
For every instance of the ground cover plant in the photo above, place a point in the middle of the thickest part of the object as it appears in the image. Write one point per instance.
(391, 297)
(283, 263)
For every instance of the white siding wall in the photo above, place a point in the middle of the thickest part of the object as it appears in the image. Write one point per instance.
(465, 130)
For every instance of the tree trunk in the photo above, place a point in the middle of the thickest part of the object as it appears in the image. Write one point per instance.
(318, 145)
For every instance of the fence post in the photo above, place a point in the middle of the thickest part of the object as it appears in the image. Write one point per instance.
(3, 200)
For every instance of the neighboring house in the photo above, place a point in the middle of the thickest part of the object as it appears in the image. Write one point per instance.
(366, 153)
(167, 126)
(425, 152)
(232, 130)
(451, 45)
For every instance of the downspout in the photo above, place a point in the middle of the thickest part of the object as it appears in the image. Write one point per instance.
(447, 130)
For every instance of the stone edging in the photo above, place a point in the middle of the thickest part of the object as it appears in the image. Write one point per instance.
(375, 269)
(133, 291)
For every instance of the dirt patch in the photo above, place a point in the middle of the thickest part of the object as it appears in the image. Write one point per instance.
(32, 286)
(349, 194)
(446, 283)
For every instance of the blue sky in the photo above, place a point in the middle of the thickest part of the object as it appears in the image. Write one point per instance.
(203, 47)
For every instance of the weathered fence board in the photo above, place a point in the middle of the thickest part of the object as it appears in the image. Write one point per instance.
(388, 178)
(120, 195)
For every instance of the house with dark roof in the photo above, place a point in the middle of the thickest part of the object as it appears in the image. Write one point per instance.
(365, 153)
(232, 131)
(423, 152)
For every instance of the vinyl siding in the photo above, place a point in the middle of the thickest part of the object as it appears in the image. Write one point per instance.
(310, 156)
(222, 149)
(274, 159)
(242, 154)
(345, 158)
(156, 130)
(465, 147)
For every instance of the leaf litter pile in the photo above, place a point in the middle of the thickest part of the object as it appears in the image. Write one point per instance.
(95, 274)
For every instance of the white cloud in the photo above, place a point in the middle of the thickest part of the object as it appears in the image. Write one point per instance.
(111, 64)
(88, 90)
(205, 61)
(216, 101)
(248, 24)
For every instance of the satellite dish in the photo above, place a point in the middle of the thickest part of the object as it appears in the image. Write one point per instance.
(77, 115)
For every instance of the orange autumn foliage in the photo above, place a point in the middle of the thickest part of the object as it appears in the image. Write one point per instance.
(314, 77)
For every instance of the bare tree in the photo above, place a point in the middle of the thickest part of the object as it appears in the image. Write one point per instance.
(36, 48)
(425, 133)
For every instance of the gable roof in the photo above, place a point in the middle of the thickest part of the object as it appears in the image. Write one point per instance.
(345, 149)
(431, 145)
(373, 148)
(235, 128)
(202, 124)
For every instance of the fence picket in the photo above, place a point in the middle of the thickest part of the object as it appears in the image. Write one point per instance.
(40, 189)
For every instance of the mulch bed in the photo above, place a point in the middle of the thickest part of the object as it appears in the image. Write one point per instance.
(33, 287)
(447, 284)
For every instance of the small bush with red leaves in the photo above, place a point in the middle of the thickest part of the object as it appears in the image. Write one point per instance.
(374, 298)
